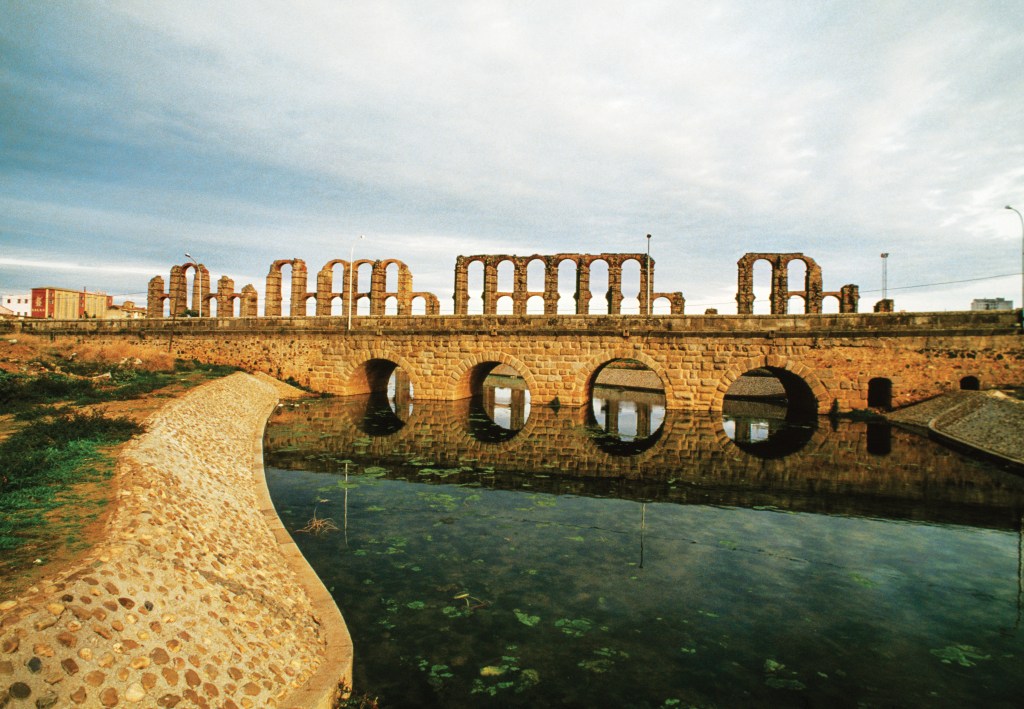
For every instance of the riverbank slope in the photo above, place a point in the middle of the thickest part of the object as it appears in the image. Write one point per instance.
(197, 593)
(989, 422)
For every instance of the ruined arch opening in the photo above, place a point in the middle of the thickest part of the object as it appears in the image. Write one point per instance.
(599, 285)
(193, 291)
(499, 402)
(567, 275)
(362, 280)
(535, 305)
(536, 274)
(391, 277)
(970, 383)
(627, 407)
(796, 280)
(309, 305)
(762, 272)
(630, 287)
(830, 304)
(475, 288)
(880, 393)
(362, 306)
(286, 271)
(506, 275)
(338, 284)
(661, 306)
(769, 412)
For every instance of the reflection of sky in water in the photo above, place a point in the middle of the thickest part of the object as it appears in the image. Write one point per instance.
(628, 417)
(604, 602)
(759, 431)
(501, 414)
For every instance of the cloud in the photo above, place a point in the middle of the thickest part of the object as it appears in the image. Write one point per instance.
(253, 133)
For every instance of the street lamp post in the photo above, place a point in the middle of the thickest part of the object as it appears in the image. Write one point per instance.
(352, 278)
(649, 304)
(1021, 263)
(885, 276)
(199, 282)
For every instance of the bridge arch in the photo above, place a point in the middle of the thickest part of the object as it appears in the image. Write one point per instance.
(589, 369)
(367, 371)
(468, 374)
(804, 390)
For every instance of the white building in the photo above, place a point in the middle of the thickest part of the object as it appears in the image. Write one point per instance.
(991, 304)
(19, 303)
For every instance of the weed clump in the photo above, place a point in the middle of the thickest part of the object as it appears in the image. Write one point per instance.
(39, 463)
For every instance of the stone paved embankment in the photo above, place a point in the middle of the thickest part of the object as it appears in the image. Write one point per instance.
(197, 596)
(988, 421)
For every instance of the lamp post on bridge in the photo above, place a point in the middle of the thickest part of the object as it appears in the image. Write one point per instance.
(352, 278)
(1021, 264)
(885, 276)
(199, 281)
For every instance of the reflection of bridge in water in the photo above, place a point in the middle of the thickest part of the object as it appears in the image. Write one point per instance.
(830, 466)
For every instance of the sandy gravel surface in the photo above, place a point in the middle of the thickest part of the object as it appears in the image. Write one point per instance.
(989, 421)
(197, 597)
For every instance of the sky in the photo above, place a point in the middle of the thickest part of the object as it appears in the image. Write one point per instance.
(247, 132)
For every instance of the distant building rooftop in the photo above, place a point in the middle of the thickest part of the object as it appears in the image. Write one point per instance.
(991, 304)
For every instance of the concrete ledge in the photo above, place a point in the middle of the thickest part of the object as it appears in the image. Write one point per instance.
(989, 422)
(985, 422)
(334, 675)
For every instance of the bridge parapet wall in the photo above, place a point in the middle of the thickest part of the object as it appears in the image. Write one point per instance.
(696, 357)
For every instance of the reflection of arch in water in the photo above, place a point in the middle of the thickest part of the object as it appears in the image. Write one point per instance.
(608, 440)
(783, 438)
(805, 394)
(483, 428)
(693, 462)
(379, 418)
(488, 379)
(879, 438)
(625, 381)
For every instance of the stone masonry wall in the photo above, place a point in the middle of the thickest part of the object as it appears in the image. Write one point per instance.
(697, 357)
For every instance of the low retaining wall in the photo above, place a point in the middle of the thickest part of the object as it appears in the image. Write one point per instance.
(197, 595)
(988, 422)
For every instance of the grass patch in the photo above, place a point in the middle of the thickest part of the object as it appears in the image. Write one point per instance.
(31, 397)
(40, 467)
(56, 460)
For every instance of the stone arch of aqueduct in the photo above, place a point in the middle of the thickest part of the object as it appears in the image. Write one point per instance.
(831, 360)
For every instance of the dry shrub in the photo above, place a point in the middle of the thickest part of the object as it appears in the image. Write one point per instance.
(150, 358)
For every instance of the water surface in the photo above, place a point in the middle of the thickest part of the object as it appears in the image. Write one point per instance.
(665, 560)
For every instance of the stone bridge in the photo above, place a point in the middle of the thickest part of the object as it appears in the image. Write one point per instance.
(826, 362)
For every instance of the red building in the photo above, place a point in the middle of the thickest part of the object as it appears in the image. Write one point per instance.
(66, 304)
